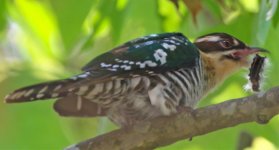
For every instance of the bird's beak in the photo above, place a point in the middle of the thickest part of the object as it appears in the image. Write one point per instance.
(258, 49)
(248, 51)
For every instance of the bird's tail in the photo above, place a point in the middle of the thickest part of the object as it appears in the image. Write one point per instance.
(41, 91)
(47, 90)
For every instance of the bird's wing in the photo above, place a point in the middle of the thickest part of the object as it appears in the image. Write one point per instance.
(146, 55)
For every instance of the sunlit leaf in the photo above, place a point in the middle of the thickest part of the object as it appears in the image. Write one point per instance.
(250, 5)
(261, 143)
(170, 18)
(194, 7)
(273, 6)
(275, 19)
(70, 18)
(213, 7)
(262, 25)
(3, 21)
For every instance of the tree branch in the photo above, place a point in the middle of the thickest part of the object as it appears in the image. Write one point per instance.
(167, 130)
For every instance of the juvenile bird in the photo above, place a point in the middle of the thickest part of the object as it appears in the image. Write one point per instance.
(151, 76)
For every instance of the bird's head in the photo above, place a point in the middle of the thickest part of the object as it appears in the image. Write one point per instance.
(226, 48)
(224, 53)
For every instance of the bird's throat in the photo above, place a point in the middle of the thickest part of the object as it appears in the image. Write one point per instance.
(216, 70)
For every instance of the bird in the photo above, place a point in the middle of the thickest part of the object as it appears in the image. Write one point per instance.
(145, 78)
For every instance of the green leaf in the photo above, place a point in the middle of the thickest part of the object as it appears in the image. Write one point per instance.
(70, 18)
(262, 25)
(3, 21)
(275, 19)
(214, 8)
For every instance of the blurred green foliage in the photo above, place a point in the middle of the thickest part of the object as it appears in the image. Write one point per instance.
(51, 39)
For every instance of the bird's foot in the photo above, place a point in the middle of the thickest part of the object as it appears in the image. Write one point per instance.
(184, 109)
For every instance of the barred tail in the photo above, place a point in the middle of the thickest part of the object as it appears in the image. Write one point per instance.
(39, 91)
(47, 90)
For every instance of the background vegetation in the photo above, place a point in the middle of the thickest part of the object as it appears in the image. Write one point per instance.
(52, 39)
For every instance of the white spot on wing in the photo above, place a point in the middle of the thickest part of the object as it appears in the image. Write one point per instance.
(150, 63)
(168, 46)
(115, 66)
(142, 65)
(161, 56)
(137, 46)
(172, 41)
(153, 35)
(126, 67)
(85, 75)
(126, 61)
(104, 65)
(148, 43)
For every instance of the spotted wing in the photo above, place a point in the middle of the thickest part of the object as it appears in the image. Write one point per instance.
(149, 54)
(143, 56)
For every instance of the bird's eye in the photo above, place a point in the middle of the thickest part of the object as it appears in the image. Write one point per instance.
(225, 44)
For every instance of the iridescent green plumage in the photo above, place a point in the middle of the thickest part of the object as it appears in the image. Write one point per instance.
(155, 53)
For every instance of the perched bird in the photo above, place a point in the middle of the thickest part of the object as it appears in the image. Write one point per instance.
(151, 76)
